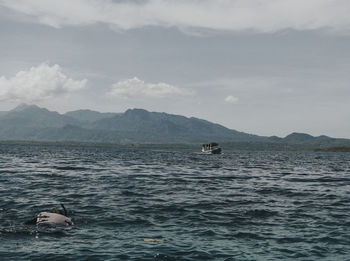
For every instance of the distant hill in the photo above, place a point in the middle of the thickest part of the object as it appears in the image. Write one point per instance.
(89, 116)
(299, 138)
(31, 116)
(141, 125)
(307, 139)
(32, 123)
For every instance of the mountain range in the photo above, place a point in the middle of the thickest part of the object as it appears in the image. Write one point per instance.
(32, 123)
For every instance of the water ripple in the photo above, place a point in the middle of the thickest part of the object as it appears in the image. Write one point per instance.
(235, 206)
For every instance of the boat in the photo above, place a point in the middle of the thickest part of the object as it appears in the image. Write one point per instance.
(211, 148)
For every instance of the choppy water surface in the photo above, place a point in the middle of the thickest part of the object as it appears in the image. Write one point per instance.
(235, 206)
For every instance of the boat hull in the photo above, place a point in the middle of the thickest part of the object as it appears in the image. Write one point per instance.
(213, 151)
(216, 151)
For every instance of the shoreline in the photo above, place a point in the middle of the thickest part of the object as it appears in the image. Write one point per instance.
(228, 146)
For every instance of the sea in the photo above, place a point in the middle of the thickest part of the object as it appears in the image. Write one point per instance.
(134, 203)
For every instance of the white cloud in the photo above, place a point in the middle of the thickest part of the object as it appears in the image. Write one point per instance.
(236, 15)
(231, 99)
(38, 83)
(137, 88)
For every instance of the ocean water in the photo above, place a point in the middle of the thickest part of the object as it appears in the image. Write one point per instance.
(236, 206)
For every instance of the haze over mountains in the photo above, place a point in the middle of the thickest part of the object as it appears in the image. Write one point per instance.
(30, 122)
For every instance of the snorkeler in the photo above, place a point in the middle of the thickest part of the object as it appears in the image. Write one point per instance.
(55, 217)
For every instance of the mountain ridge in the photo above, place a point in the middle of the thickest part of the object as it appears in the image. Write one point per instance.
(31, 122)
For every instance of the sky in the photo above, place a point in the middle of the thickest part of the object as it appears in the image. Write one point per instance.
(266, 67)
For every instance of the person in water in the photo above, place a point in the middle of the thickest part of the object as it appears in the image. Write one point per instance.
(55, 217)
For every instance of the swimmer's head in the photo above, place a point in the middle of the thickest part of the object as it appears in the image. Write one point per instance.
(57, 211)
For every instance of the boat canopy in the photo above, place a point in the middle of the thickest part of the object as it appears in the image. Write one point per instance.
(211, 144)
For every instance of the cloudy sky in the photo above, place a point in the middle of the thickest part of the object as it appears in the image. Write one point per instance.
(268, 67)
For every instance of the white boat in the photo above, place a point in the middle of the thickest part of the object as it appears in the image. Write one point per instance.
(211, 148)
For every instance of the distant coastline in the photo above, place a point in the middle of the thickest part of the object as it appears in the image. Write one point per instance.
(227, 146)
(335, 149)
